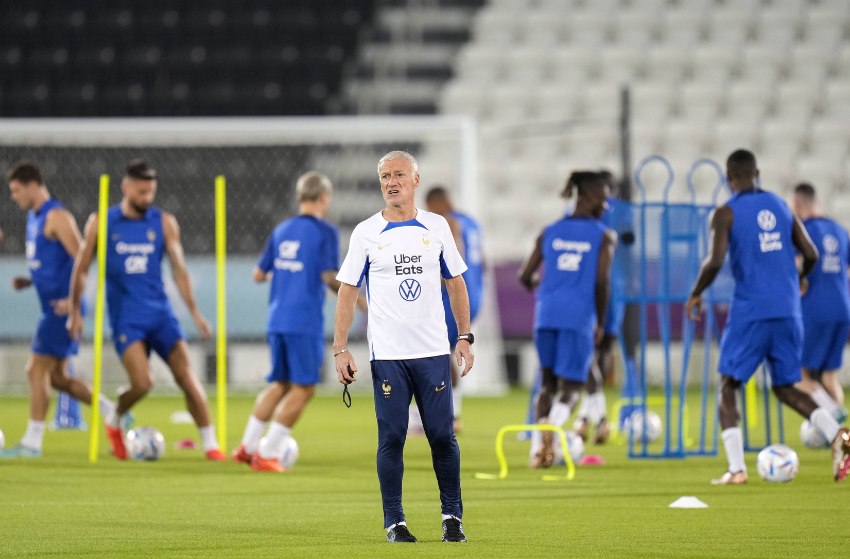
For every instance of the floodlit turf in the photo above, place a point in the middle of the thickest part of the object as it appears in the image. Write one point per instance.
(183, 506)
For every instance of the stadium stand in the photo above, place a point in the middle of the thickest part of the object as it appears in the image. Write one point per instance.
(706, 76)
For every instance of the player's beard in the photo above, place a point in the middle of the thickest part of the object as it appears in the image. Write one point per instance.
(140, 209)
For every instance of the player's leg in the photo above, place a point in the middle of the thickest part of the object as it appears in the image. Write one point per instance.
(431, 379)
(832, 364)
(303, 364)
(38, 378)
(266, 402)
(392, 394)
(264, 407)
(598, 405)
(546, 342)
(823, 344)
(743, 347)
(784, 359)
(61, 380)
(196, 399)
(830, 382)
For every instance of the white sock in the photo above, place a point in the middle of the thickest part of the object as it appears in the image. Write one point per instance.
(601, 406)
(253, 431)
(447, 516)
(112, 418)
(559, 414)
(208, 439)
(733, 442)
(34, 435)
(402, 523)
(457, 398)
(278, 433)
(536, 441)
(825, 423)
(584, 406)
(824, 400)
(596, 407)
(107, 406)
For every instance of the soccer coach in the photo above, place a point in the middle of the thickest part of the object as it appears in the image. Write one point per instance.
(402, 252)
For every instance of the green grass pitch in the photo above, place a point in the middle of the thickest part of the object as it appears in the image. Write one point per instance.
(329, 506)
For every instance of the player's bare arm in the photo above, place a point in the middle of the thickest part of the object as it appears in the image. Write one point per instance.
(174, 248)
(343, 360)
(79, 275)
(459, 300)
(807, 250)
(603, 283)
(528, 275)
(329, 279)
(721, 225)
(62, 226)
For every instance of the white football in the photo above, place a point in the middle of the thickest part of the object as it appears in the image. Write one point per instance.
(289, 456)
(2, 440)
(812, 437)
(145, 443)
(778, 463)
(634, 424)
(575, 445)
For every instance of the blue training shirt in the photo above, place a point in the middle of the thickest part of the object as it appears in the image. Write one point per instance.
(297, 252)
(566, 298)
(49, 263)
(828, 297)
(761, 252)
(134, 289)
(474, 258)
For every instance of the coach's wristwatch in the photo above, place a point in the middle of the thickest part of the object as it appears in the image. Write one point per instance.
(468, 337)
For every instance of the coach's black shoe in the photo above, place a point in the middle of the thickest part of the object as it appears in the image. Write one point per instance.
(400, 534)
(453, 530)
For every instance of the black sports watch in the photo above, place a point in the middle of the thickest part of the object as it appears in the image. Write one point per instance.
(468, 337)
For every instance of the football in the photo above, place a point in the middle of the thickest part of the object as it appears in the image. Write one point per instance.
(289, 457)
(575, 446)
(634, 424)
(2, 440)
(811, 436)
(145, 443)
(778, 463)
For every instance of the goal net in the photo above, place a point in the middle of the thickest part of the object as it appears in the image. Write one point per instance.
(261, 159)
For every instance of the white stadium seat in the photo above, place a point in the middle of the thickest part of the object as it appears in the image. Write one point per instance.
(653, 100)
(830, 139)
(837, 102)
(714, 63)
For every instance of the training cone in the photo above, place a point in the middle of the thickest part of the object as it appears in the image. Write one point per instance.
(592, 460)
(688, 503)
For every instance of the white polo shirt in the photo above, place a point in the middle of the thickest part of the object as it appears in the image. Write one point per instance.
(402, 263)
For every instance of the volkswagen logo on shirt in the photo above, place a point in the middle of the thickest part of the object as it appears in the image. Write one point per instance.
(410, 290)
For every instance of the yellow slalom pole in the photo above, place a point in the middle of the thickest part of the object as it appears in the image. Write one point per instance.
(751, 393)
(102, 211)
(221, 309)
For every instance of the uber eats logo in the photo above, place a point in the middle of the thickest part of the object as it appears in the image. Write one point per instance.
(404, 265)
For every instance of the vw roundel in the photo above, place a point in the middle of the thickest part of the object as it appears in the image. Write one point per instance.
(410, 290)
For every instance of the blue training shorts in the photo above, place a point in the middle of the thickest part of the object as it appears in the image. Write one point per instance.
(296, 358)
(51, 338)
(569, 353)
(823, 345)
(160, 336)
(746, 344)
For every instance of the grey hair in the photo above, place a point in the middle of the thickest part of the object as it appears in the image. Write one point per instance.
(311, 186)
(398, 154)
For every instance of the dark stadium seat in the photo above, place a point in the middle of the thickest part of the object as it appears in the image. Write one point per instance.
(221, 57)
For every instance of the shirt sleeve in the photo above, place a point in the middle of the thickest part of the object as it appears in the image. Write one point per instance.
(356, 263)
(451, 262)
(266, 261)
(330, 250)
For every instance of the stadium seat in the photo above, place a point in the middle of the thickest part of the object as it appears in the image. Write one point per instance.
(830, 140)
(481, 64)
(572, 65)
(653, 100)
(700, 102)
(820, 171)
(729, 135)
(822, 28)
(781, 140)
(764, 64)
(682, 28)
(588, 29)
(809, 64)
(730, 27)
(837, 102)
(668, 64)
(777, 27)
(714, 63)
(528, 65)
(555, 102)
(621, 64)
(796, 101)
